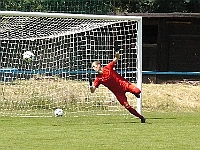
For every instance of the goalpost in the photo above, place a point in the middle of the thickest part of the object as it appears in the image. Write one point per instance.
(64, 46)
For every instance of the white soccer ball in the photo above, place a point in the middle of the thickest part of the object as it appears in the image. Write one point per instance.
(28, 56)
(58, 112)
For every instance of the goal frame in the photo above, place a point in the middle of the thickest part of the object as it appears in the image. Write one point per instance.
(107, 17)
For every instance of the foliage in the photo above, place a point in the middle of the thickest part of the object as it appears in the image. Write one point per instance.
(157, 6)
(102, 6)
(70, 6)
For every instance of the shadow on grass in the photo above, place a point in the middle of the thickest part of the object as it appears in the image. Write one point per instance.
(159, 118)
(148, 120)
(135, 121)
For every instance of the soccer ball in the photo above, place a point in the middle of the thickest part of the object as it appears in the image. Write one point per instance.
(28, 56)
(58, 112)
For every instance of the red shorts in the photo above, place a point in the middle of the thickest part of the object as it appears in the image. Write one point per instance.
(121, 97)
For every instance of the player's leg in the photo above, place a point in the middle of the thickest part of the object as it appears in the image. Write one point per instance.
(123, 101)
(134, 90)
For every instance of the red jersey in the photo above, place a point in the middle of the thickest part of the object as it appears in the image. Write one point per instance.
(111, 79)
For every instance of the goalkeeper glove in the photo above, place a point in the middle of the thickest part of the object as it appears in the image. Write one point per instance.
(116, 46)
(90, 80)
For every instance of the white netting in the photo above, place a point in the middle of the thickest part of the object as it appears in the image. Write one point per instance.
(64, 49)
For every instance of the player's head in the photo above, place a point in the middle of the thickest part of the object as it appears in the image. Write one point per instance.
(96, 65)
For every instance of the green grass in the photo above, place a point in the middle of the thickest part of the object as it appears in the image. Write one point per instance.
(172, 112)
(166, 131)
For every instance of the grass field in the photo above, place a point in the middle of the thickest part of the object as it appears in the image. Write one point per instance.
(166, 131)
(172, 112)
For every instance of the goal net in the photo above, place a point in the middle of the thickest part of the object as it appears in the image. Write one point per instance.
(64, 46)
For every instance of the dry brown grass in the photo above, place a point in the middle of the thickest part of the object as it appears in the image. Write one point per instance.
(172, 97)
(47, 94)
(156, 97)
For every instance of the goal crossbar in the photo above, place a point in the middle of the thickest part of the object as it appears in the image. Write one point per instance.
(67, 15)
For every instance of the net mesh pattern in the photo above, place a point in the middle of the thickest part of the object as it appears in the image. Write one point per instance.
(64, 49)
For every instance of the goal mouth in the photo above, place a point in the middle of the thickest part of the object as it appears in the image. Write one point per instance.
(64, 46)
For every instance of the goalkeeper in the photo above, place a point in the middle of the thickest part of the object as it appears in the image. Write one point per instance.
(115, 83)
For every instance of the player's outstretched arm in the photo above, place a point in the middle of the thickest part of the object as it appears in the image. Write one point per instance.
(117, 56)
(92, 88)
(117, 49)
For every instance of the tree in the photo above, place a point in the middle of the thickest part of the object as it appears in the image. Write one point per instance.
(157, 6)
(163, 6)
(69, 6)
(102, 6)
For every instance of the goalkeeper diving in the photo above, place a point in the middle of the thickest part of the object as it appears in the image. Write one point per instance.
(117, 84)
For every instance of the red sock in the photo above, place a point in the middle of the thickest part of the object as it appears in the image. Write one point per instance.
(134, 112)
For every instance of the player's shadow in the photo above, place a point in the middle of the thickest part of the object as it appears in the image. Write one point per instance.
(124, 122)
(148, 120)
(159, 118)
